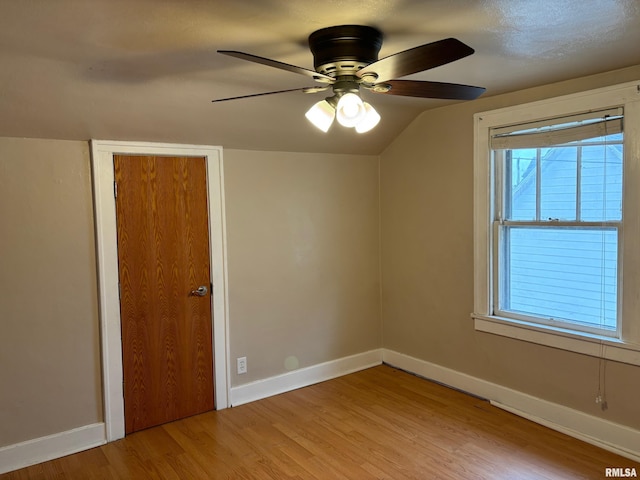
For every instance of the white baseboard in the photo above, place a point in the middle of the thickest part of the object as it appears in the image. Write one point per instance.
(610, 436)
(24, 454)
(304, 377)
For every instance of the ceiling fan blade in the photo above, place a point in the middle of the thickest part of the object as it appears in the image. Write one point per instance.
(416, 88)
(320, 77)
(303, 89)
(417, 59)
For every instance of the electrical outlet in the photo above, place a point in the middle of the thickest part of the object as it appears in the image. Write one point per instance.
(242, 365)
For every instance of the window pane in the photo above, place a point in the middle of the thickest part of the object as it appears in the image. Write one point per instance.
(521, 178)
(561, 273)
(558, 183)
(601, 183)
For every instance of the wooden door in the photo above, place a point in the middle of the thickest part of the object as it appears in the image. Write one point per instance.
(163, 255)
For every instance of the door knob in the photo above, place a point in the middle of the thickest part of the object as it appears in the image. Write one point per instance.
(200, 292)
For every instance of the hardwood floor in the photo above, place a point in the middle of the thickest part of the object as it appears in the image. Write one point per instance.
(380, 423)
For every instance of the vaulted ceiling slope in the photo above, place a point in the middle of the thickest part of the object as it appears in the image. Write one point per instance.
(148, 69)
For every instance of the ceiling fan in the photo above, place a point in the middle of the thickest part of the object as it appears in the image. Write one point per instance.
(345, 59)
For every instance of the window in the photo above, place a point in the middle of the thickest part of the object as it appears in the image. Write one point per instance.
(556, 208)
(557, 220)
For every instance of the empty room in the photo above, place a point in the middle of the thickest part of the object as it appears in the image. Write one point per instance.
(280, 239)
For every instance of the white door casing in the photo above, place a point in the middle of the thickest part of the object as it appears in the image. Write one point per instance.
(102, 152)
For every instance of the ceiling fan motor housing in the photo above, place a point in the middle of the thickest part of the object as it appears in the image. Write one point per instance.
(345, 49)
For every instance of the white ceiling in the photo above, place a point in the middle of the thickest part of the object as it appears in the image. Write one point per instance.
(148, 69)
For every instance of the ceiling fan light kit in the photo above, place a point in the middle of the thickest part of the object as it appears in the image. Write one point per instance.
(350, 111)
(321, 115)
(346, 60)
(371, 119)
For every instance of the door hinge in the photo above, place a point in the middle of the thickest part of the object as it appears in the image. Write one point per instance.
(115, 189)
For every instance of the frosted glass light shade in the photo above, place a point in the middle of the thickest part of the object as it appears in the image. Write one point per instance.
(370, 119)
(321, 115)
(350, 110)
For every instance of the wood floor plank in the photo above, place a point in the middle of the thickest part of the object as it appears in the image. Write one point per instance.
(380, 423)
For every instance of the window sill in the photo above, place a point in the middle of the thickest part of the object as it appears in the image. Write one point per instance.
(593, 345)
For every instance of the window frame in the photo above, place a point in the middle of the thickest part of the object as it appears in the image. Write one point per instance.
(501, 225)
(560, 323)
(625, 346)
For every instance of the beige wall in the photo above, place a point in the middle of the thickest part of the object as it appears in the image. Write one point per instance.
(303, 265)
(427, 265)
(49, 348)
(303, 259)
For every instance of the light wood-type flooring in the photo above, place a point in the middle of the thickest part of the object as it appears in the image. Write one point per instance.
(379, 423)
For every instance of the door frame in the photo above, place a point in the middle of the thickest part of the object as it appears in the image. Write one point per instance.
(102, 152)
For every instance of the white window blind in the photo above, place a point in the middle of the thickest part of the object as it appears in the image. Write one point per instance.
(557, 131)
